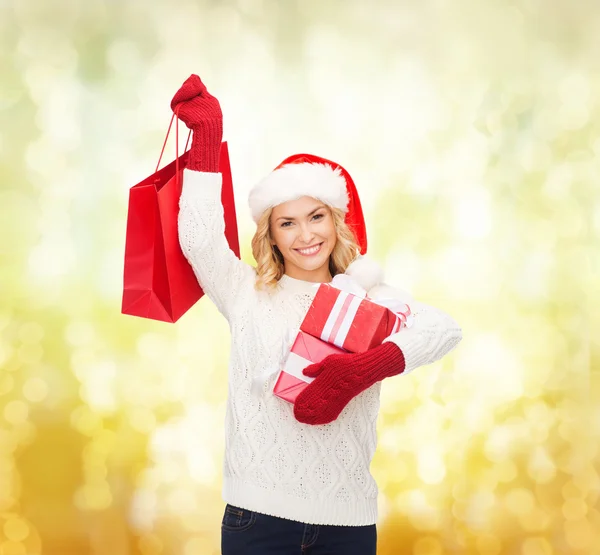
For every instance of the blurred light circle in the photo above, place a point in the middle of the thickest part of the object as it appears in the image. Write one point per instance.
(94, 497)
(520, 501)
(536, 546)
(31, 332)
(35, 390)
(488, 544)
(16, 529)
(7, 382)
(427, 546)
(574, 509)
(578, 534)
(30, 353)
(18, 536)
(142, 419)
(150, 545)
(16, 412)
(12, 548)
(197, 545)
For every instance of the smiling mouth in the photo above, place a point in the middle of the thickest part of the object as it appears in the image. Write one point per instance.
(310, 250)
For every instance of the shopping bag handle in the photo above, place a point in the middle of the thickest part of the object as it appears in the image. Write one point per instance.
(176, 141)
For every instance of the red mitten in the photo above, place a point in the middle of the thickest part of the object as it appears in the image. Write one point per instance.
(201, 112)
(339, 378)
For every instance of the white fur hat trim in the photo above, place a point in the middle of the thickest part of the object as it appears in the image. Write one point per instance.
(292, 181)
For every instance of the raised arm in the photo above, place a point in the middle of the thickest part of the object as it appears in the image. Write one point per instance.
(220, 273)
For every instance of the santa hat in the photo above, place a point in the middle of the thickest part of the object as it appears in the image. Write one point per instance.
(308, 175)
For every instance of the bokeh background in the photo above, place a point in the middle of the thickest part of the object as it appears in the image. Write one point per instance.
(472, 129)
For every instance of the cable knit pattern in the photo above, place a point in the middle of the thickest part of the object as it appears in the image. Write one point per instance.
(274, 464)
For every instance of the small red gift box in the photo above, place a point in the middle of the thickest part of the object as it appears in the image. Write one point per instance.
(305, 351)
(353, 323)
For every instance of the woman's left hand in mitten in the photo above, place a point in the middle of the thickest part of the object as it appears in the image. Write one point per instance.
(339, 378)
(201, 112)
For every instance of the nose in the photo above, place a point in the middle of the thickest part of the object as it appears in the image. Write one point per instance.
(306, 234)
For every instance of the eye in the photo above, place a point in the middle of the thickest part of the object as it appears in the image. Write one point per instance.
(318, 216)
(285, 224)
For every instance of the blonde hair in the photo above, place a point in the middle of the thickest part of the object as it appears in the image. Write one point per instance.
(269, 260)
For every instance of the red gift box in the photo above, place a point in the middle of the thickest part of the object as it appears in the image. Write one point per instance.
(353, 323)
(306, 350)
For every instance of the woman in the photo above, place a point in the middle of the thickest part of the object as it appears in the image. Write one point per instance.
(296, 477)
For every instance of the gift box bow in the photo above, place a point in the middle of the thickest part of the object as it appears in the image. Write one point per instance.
(346, 306)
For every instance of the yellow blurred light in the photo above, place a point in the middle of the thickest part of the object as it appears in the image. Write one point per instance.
(488, 544)
(431, 467)
(16, 529)
(142, 419)
(94, 497)
(479, 508)
(536, 546)
(6, 384)
(197, 545)
(94, 471)
(507, 471)
(25, 433)
(85, 421)
(536, 520)
(570, 490)
(150, 544)
(13, 548)
(35, 390)
(519, 501)
(578, 534)
(80, 333)
(30, 353)
(574, 509)
(16, 412)
(426, 519)
(472, 215)
(182, 501)
(459, 509)
(31, 332)
(5, 317)
(152, 346)
(573, 117)
(541, 468)
(6, 352)
(587, 478)
(428, 546)
(104, 442)
(97, 388)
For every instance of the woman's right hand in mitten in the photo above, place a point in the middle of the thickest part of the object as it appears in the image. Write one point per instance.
(201, 112)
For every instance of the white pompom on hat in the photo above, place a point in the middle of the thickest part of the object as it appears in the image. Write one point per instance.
(309, 175)
(366, 272)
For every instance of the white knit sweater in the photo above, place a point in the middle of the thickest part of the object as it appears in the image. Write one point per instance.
(273, 463)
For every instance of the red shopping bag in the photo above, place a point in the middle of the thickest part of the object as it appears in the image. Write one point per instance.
(158, 281)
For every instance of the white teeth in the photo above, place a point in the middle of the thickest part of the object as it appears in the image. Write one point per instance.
(312, 250)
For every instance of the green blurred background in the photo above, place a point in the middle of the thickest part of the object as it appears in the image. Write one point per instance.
(472, 130)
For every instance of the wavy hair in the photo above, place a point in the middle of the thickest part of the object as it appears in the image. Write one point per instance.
(269, 260)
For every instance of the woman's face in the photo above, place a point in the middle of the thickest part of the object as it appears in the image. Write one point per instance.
(304, 232)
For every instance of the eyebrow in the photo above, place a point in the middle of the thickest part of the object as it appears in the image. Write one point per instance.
(308, 215)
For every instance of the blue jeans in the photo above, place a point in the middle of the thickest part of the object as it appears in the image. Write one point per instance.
(245, 532)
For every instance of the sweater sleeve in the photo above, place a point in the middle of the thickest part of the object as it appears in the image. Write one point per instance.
(220, 273)
(432, 335)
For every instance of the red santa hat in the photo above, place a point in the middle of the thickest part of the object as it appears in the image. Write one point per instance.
(308, 175)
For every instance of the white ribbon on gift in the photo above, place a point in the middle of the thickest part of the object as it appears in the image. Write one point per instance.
(294, 366)
(346, 306)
